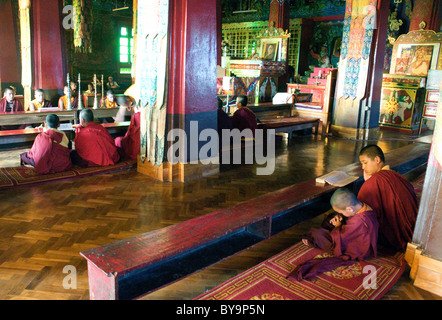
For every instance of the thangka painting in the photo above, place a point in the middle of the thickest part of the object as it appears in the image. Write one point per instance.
(417, 57)
(151, 75)
(397, 107)
(359, 23)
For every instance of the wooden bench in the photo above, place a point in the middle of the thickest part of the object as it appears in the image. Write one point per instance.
(27, 136)
(290, 124)
(130, 268)
(271, 111)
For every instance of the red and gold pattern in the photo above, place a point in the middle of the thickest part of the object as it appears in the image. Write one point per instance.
(267, 280)
(24, 176)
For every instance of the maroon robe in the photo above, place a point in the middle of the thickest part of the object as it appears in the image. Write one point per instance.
(130, 143)
(244, 118)
(16, 105)
(355, 240)
(395, 202)
(95, 145)
(48, 155)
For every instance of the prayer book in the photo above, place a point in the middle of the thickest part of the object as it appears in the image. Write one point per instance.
(336, 178)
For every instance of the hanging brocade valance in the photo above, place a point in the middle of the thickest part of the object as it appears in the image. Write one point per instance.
(82, 25)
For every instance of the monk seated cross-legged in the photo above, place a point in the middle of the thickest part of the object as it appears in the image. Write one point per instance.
(50, 152)
(94, 146)
(391, 196)
(353, 238)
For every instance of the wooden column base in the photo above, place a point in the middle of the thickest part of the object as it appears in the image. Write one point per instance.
(177, 172)
(425, 271)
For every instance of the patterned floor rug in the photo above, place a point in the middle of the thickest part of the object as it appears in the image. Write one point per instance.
(25, 176)
(365, 280)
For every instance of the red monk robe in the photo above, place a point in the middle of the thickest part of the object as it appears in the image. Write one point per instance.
(50, 152)
(395, 202)
(130, 143)
(16, 105)
(95, 145)
(244, 118)
(355, 240)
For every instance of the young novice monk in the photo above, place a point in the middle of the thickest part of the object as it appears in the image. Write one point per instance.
(50, 152)
(94, 146)
(354, 240)
(391, 196)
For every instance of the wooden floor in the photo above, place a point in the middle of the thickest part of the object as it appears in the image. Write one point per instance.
(43, 228)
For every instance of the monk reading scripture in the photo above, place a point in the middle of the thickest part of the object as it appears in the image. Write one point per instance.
(390, 195)
(129, 145)
(244, 118)
(349, 242)
(50, 152)
(94, 146)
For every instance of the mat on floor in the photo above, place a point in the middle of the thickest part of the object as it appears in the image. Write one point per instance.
(364, 280)
(25, 176)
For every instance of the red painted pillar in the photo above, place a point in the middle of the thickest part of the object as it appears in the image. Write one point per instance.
(191, 86)
(427, 11)
(48, 73)
(9, 57)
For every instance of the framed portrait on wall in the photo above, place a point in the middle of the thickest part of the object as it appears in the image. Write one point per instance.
(270, 50)
(419, 57)
(416, 52)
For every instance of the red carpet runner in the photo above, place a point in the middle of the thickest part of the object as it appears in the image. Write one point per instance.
(267, 280)
(25, 176)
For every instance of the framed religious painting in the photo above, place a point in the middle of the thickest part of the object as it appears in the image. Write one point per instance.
(270, 50)
(272, 44)
(416, 52)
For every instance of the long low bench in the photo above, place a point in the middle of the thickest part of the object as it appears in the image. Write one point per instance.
(290, 124)
(133, 267)
(9, 137)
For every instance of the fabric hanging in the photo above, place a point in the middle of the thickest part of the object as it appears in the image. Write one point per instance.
(359, 23)
(82, 25)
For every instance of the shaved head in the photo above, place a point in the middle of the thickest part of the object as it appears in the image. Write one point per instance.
(87, 115)
(372, 151)
(52, 120)
(343, 198)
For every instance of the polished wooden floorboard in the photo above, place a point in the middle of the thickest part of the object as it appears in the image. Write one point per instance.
(43, 228)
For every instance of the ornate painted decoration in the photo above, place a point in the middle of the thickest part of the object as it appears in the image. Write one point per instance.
(359, 23)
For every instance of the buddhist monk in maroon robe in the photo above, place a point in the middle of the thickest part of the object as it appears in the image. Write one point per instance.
(355, 240)
(9, 103)
(94, 146)
(391, 196)
(50, 152)
(244, 118)
(129, 145)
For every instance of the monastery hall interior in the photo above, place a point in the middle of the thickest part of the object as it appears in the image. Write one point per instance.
(322, 80)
